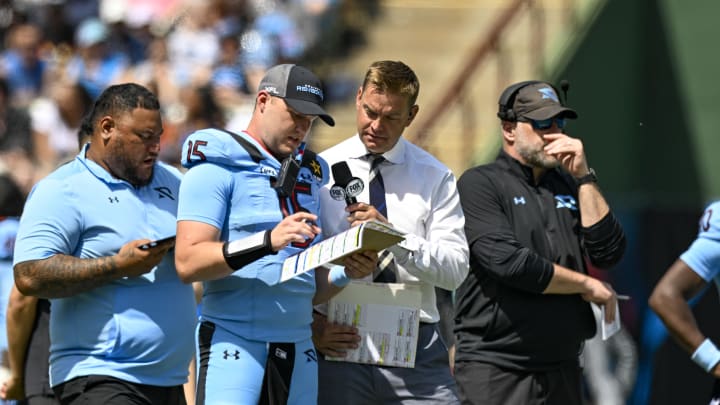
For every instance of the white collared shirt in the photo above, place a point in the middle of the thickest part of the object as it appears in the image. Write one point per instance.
(422, 201)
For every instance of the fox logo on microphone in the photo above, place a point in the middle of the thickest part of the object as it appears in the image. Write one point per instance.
(337, 193)
(354, 187)
(346, 186)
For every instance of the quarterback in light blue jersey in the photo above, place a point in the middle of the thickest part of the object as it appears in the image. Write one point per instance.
(247, 202)
(119, 311)
(234, 195)
(694, 269)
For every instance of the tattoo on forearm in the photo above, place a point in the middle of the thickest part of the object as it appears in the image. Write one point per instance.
(63, 276)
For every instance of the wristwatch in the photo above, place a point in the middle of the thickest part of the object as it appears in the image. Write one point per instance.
(590, 177)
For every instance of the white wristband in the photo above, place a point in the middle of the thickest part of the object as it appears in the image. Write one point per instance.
(706, 355)
(338, 276)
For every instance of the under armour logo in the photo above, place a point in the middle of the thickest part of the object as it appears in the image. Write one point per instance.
(566, 201)
(280, 353)
(113, 199)
(235, 355)
(519, 200)
(164, 192)
(310, 355)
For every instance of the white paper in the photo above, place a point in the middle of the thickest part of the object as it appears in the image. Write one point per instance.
(609, 329)
(387, 316)
(369, 235)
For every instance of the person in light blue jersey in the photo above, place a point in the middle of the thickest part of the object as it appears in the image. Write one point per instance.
(691, 272)
(240, 215)
(121, 325)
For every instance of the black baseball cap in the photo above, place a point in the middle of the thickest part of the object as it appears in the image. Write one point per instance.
(540, 101)
(299, 87)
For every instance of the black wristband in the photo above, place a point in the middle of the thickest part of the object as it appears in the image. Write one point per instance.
(241, 252)
(590, 177)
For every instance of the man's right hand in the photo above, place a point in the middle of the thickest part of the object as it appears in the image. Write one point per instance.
(361, 212)
(297, 228)
(132, 261)
(332, 339)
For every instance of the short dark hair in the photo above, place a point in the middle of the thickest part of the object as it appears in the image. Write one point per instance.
(85, 131)
(122, 98)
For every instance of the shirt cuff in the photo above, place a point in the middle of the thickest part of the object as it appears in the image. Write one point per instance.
(403, 250)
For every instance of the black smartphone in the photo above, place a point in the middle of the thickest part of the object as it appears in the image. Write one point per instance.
(157, 242)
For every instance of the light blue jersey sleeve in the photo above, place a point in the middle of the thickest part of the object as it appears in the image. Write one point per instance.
(204, 195)
(50, 223)
(703, 255)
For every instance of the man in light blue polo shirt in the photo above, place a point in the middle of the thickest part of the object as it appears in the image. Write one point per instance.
(121, 325)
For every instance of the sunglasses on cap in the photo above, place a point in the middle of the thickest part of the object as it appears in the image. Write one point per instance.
(545, 124)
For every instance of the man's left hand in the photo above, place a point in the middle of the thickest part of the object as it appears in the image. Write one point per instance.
(359, 265)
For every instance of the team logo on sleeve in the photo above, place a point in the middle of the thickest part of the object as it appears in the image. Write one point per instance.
(705, 220)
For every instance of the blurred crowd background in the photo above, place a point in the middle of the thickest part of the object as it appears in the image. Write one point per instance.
(203, 58)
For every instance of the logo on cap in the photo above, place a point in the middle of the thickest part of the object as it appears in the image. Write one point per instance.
(310, 89)
(272, 89)
(549, 93)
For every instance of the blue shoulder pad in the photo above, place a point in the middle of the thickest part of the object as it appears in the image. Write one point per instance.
(221, 147)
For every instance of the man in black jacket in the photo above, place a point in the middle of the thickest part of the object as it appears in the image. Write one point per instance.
(532, 219)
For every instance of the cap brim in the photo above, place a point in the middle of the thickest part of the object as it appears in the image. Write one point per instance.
(547, 112)
(309, 108)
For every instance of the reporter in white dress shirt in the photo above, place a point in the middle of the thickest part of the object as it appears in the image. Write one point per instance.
(421, 201)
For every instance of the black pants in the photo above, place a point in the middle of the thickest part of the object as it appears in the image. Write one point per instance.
(100, 389)
(486, 384)
(39, 400)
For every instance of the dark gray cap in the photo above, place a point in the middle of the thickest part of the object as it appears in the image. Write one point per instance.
(299, 87)
(539, 101)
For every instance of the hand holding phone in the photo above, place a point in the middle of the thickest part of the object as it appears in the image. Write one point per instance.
(154, 243)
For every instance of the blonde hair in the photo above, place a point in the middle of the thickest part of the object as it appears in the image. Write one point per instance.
(393, 77)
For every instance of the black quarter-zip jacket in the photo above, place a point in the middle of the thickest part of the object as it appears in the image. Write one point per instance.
(516, 230)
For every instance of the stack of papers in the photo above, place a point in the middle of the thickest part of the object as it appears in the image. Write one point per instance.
(387, 317)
